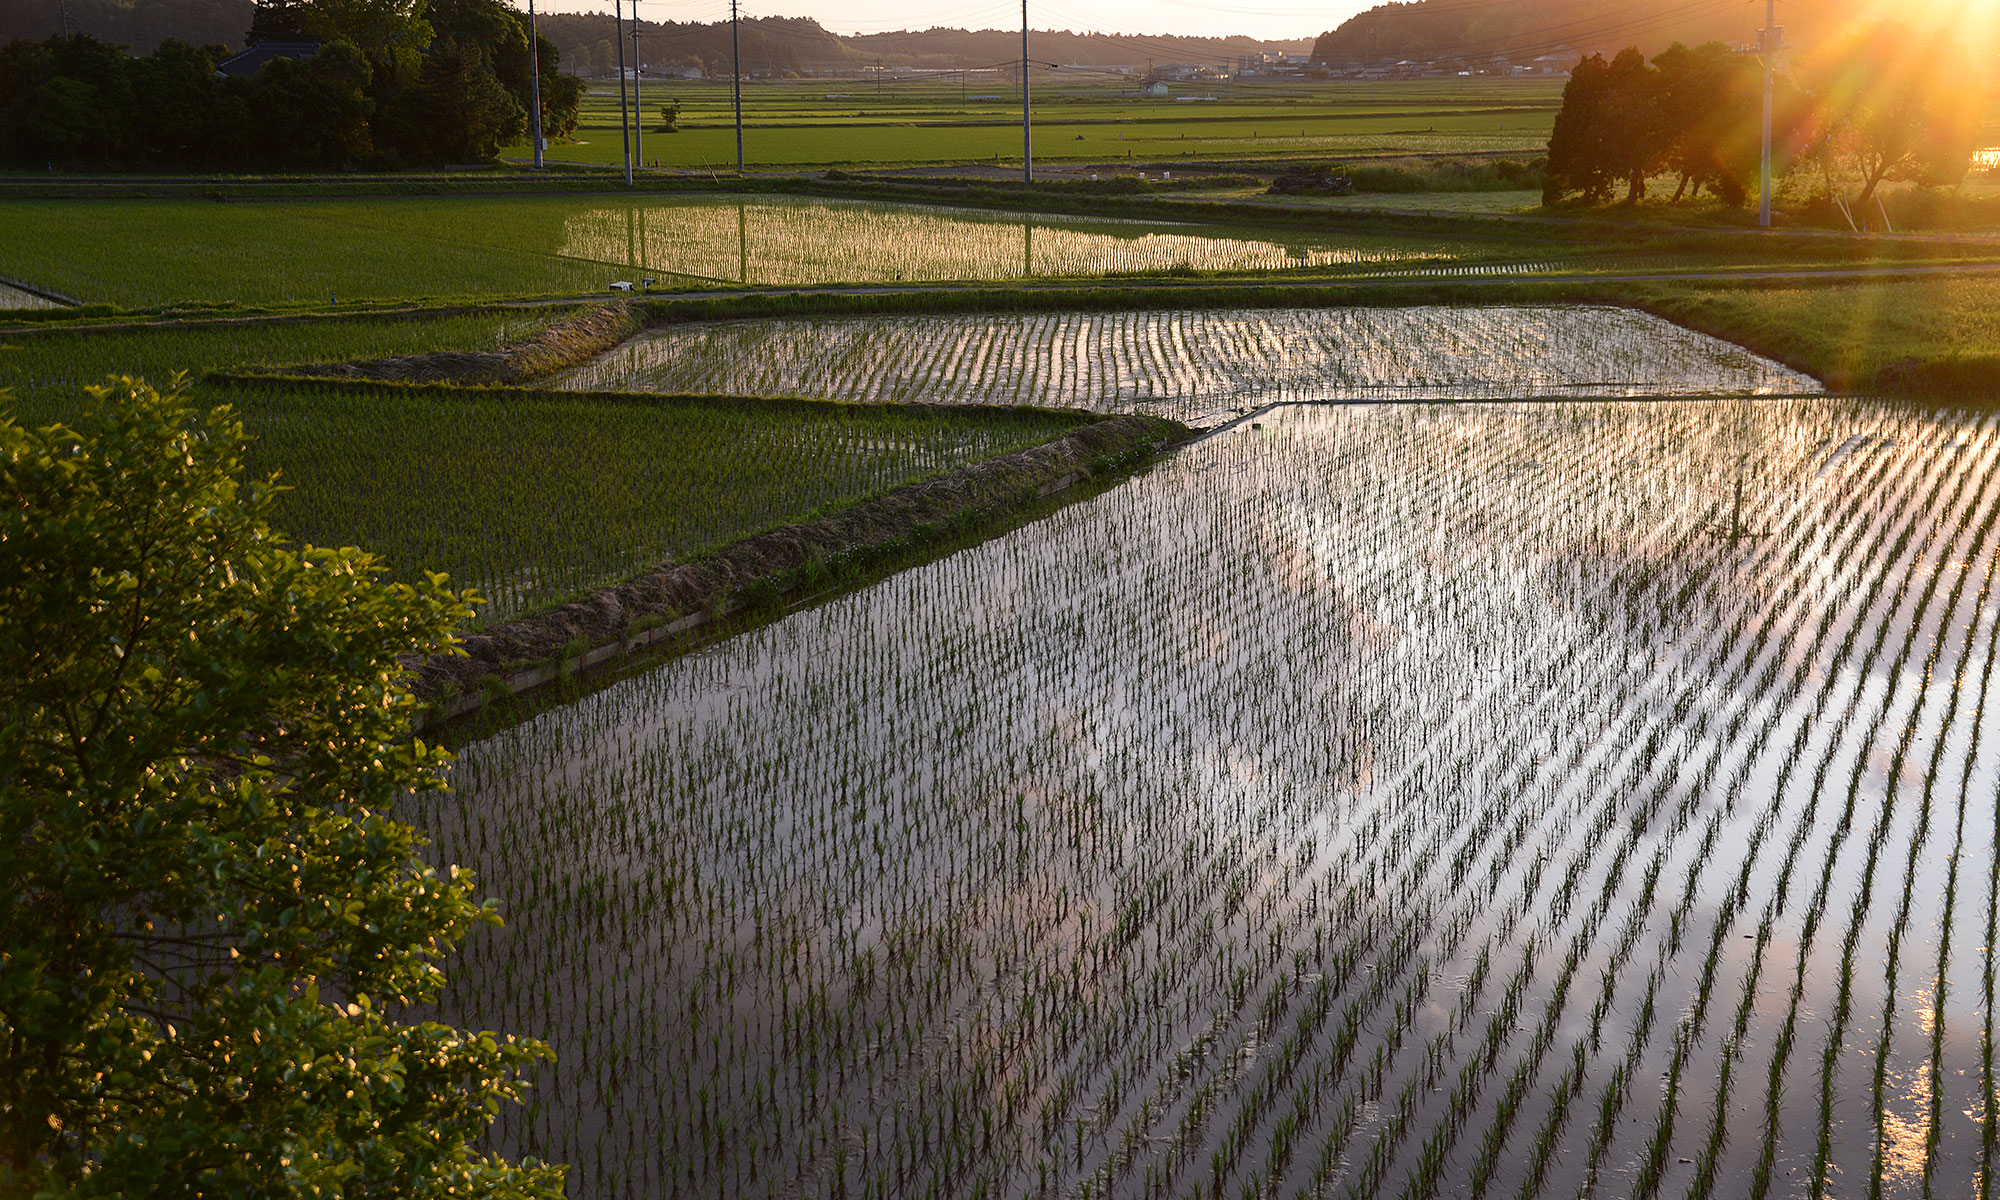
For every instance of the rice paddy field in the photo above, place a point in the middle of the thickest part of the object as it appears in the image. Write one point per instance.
(157, 253)
(796, 241)
(1194, 366)
(532, 498)
(1400, 799)
(1079, 118)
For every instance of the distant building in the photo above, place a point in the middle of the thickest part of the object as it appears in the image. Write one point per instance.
(1560, 61)
(262, 51)
(276, 31)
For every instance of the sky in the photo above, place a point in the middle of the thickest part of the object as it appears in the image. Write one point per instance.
(1269, 19)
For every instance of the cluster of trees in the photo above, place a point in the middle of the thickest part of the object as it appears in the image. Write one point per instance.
(141, 24)
(214, 935)
(1883, 104)
(395, 82)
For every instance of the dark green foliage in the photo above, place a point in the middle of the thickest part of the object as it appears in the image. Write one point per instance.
(211, 930)
(1883, 104)
(80, 102)
(1611, 131)
(459, 112)
(396, 82)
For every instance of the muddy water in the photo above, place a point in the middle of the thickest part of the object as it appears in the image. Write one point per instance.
(1367, 803)
(1197, 366)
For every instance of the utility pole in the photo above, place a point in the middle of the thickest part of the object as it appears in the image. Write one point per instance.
(638, 94)
(618, 40)
(736, 75)
(1027, 140)
(1770, 39)
(62, 6)
(535, 82)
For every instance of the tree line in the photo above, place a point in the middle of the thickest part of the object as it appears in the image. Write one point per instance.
(395, 83)
(140, 24)
(1883, 104)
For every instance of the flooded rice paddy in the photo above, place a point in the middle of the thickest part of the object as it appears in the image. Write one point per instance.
(799, 241)
(13, 297)
(1194, 366)
(1406, 800)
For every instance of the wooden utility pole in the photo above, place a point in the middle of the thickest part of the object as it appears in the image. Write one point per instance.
(535, 82)
(1770, 44)
(638, 93)
(618, 40)
(1027, 137)
(736, 76)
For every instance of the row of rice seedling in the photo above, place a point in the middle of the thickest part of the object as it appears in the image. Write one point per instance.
(532, 497)
(1371, 802)
(782, 240)
(1193, 365)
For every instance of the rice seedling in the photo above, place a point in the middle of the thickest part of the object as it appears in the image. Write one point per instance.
(1400, 799)
(1194, 366)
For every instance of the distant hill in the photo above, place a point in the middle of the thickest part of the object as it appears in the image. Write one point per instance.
(140, 24)
(771, 45)
(774, 45)
(1427, 29)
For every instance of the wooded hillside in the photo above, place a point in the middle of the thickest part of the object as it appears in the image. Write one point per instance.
(1427, 29)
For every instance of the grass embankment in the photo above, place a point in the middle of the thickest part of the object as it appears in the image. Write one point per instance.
(1936, 336)
(49, 367)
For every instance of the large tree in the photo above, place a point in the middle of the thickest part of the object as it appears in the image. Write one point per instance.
(1711, 106)
(1895, 105)
(212, 930)
(1610, 131)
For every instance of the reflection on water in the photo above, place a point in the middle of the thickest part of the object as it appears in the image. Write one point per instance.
(12, 297)
(1282, 822)
(797, 241)
(1194, 366)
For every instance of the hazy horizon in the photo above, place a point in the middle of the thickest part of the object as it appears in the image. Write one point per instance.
(1273, 20)
(1976, 21)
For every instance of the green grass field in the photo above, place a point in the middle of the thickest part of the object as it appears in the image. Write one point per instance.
(48, 368)
(534, 497)
(820, 123)
(1938, 336)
